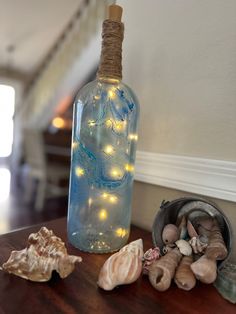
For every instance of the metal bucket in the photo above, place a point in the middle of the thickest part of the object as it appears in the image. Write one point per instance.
(170, 213)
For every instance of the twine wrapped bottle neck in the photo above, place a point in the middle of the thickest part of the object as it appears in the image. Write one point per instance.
(111, 55)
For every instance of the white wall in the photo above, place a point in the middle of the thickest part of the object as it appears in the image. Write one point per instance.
(179, 56)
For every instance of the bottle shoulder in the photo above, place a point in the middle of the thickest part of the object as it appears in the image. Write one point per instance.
(100, 91)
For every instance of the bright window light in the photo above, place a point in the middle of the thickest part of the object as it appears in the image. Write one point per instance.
(5, 181)
(7, 107)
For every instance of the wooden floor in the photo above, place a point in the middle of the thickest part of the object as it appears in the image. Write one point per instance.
(15, 213)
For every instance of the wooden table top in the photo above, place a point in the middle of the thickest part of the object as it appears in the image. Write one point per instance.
(78, 293)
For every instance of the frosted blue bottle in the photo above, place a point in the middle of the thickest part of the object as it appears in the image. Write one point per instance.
(104, 142)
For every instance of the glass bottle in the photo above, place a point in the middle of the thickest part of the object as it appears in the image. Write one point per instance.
(104, 142)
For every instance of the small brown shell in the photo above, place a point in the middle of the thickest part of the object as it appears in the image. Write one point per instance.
(45, 253)
(170, 234)
(162, 271)
(184, 277)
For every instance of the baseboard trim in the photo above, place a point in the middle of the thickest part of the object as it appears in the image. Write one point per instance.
(208, 177)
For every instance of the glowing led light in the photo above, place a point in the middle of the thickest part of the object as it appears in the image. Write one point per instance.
(79, 171)
(109, 149)
(91, 122)
(74, 145)
(116, 173)
(90, 201)
(108, 123)
(113, 199)
(129, 167)
(104, 195)
(120, 232)
(102, 214)
(111, 94)
(96, 97)
(120, 125)
(58, 123)
(133, 137)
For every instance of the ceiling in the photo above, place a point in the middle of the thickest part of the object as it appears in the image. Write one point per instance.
(29, 29)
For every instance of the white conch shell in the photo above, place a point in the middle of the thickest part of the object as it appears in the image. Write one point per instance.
(123, 267)
(45, 253)
(184, 247)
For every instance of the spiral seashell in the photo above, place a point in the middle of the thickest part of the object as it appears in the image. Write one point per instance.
(149, 257)
(162, 271)
(123, 267)
(184, 277)
(197, 245)
(45, 253)
(170, 234)
(184, 247)
(205, 269)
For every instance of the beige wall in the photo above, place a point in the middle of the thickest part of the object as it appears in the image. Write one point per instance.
(180, 59)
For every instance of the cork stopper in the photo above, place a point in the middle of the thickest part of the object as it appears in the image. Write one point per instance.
(115, 12)
(112, 37)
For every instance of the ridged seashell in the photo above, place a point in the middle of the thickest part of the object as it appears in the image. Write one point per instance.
(184, 247)
(149, 257)
(170, 234)
(184, 277)
(205, 269)
(216, 248)
(123, 267)
(45, 253)
(162, 271)
(197, 245)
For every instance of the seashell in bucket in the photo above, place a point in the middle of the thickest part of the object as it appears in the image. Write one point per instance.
(170, 234)
(184, 247)
(184, 277)
(197, 245)
(162, 271)
(205, 269)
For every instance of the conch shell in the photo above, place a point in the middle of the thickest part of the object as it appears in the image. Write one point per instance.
(162, 271)
(184, 277)
(205, 269)
(45, 253)
(123, 267)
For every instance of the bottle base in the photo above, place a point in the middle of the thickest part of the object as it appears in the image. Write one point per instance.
(102, 243)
